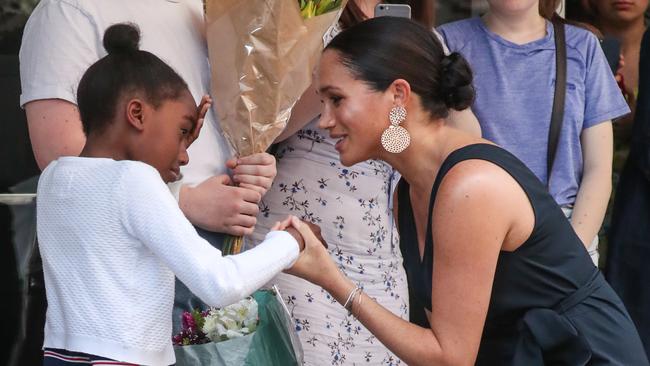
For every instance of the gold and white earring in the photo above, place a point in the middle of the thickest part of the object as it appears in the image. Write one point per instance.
(396, 138)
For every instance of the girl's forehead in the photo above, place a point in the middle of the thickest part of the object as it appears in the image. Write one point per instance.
(181, 105)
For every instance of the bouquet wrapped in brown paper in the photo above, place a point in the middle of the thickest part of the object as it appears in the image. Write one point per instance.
(262, 56)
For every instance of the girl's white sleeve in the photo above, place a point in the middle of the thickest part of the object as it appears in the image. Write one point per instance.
(151, 214)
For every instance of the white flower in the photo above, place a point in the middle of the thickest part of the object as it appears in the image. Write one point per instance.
(232, 321)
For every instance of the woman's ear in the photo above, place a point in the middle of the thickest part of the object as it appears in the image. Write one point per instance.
(135, 110)
(401, 90)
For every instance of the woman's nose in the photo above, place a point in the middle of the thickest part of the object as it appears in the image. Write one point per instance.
(326, 120)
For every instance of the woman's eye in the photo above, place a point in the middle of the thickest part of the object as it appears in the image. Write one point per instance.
(336, 100)
(185, 131)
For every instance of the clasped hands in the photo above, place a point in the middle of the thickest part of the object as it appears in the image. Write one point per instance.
(314, 263)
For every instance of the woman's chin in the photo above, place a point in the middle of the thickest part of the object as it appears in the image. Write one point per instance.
(347, 164)
(349, 160)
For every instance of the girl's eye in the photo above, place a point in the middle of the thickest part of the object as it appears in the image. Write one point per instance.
(185, 131)
(336, 100)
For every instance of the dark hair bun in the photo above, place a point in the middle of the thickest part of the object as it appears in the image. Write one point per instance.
(121, 38)
(456, 83)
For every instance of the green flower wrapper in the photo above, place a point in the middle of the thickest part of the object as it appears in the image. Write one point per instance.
(274, 342)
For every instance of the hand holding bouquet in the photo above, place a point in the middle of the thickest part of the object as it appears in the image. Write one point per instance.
(262, 56)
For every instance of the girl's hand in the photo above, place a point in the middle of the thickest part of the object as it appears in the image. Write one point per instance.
(282, 225)
(202, 110)
(286, 226)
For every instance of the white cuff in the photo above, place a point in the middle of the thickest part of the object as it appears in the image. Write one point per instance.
(281, 237)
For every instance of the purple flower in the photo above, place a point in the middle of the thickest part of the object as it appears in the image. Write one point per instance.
(187, 321)
(191, 332)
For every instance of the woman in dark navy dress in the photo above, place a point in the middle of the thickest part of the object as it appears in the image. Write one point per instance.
(505, 279)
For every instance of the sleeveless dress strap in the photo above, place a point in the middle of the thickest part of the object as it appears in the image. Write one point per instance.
(406, 225)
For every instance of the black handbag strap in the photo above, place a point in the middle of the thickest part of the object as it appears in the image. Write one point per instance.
(558, 100)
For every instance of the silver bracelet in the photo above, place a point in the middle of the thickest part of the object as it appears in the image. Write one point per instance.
(350, 297)
(359, 304)
(359, 296)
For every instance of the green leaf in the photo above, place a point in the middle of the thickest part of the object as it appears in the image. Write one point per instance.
(309, 10)
(328, 5)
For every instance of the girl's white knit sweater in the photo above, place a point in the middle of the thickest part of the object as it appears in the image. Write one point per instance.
(112, 237)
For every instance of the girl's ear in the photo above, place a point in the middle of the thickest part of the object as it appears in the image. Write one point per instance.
(135, 113)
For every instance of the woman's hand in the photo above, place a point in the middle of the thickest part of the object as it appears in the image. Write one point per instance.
(314, 263)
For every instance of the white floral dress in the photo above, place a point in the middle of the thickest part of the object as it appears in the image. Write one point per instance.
(351, 205)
